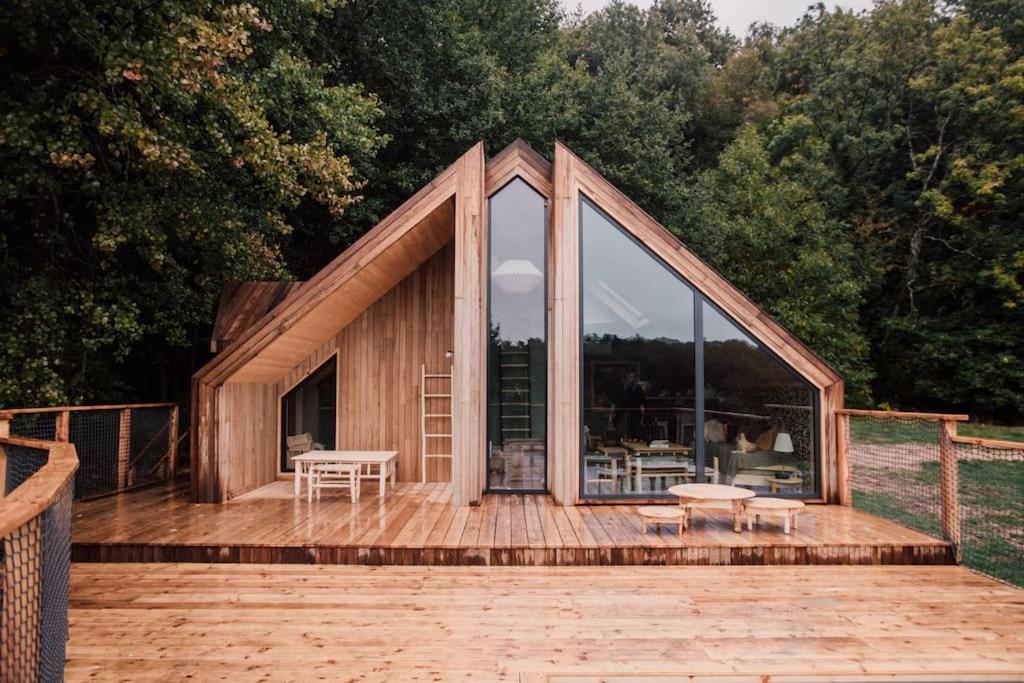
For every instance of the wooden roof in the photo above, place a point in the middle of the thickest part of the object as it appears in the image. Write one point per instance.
(241, 306)
(267, 337)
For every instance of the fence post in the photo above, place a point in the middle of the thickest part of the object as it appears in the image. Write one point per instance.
(61, 428)
(172, 454)
(5, 431)
(949, 486)
(842, 458)
(124, 434)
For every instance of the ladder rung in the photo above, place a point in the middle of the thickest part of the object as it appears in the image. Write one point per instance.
(438, 455)
(438, 376)
(437, 395)
(438, 415)
(437, 436)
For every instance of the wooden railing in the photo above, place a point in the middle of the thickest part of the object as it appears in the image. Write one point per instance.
(890, 465)
(35, 526)
(120, 446)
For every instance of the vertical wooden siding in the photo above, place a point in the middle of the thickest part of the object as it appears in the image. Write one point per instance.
(379, 359)
(247, 436)
(470, 362)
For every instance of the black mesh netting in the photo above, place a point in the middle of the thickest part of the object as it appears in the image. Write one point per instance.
(150, 443)
(36, 557)
(35, 426)
(22, 463)
(95, 436)
(894, 470)
(53, 632)
(896, 473)
(990, 490)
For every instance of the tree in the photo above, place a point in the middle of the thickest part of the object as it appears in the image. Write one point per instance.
(148, 153)
(764, 227)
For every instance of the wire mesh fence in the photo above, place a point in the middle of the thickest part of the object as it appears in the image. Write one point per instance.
(916, 471)
(35, 553)
(991, 496)
(119, 447)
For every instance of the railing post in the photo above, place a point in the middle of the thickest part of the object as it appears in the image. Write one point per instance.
(948, 485)
(842, 458)
(124, 438)
(172, 454)
(5, 431)
(61, 428)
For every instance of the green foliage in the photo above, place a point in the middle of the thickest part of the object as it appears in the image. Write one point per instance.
(149, 153)
(858, 175)
(764, 227)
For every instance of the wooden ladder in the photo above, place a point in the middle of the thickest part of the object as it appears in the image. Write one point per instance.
(435, 413)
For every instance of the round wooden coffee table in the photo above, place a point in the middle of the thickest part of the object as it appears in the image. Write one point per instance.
(714, 496)
(661, 514)
(780, 507)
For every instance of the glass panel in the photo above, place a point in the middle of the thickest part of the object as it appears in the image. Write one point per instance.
(638, 366)
(517, 351)
(758, 415)
(309, 415)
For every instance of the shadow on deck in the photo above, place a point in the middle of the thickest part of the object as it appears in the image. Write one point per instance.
(417, 525)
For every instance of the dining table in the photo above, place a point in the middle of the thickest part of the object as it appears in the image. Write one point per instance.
(379, 465)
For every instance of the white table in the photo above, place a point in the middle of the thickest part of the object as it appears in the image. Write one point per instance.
(386, 463)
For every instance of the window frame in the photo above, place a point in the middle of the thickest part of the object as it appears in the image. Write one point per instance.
(547, 350)
(699, 299)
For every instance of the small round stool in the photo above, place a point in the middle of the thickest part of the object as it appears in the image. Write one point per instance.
(779, 507)
(662, 514)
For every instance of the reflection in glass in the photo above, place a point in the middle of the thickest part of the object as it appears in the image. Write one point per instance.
(517, 353)
(638, 366)
(758, 416)
(308, 415)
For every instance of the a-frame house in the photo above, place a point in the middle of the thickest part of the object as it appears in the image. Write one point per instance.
(591, 355)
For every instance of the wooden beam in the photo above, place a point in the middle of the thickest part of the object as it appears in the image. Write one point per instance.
(949, 493)
(938, 417)
(564, 343)
(469, 368)
(124, 441)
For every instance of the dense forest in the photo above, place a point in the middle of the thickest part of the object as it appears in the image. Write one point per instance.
(861, 176)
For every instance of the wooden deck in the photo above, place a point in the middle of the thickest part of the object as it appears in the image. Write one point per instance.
(542, 624)
(417, 525)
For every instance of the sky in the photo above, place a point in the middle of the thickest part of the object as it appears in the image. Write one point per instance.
(737, 15)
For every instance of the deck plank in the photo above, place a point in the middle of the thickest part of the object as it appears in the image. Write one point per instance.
(541, 624)
(415, 523)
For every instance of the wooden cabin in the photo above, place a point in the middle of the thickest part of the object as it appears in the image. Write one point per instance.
(526, 327)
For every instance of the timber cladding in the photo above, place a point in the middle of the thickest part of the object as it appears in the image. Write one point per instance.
(380, 355)
(415, 287)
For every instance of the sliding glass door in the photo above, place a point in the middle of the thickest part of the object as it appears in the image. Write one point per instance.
(309, 415)
(517, 345)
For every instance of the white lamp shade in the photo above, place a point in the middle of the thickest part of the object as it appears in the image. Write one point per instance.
(783, 443)
(517, 276)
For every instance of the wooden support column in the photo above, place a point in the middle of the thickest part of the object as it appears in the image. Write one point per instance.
(62, 426)
(949, 484)
(564, 341)
(469, 368)
(842, 462)
(5, 431)
(123, 449)
(172, 453)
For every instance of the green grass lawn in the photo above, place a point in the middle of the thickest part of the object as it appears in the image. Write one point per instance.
(867, 430)
(983, 431)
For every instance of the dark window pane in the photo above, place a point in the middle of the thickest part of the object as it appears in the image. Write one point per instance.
(309, 415)
(638, 366)
(758, 416)
(517, 353)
